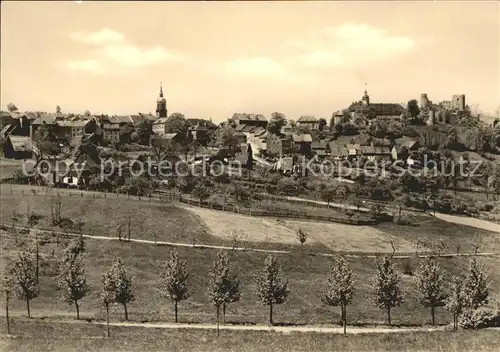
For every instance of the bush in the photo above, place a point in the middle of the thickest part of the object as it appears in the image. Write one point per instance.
(481, 317)
(407, 267)
(138, 186)
(403, 220)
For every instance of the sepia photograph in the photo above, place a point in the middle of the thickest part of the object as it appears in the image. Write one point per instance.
(251, 176)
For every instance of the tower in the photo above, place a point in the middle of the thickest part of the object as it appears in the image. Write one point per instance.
(161, 104)
(366, 99)
(458, 102)
(424, 101)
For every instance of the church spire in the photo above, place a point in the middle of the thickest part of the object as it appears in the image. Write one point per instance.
(366, 98)
(161, 104)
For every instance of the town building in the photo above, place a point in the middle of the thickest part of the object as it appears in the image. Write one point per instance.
(18, 147)
(201, 129)
(44, 120)
(319, 148)
(376, 110)
(373, 153)
(337, 151)
(310, 122)
(279, 144)
(159, 126)
(72, 129)
(404, 143)
(249, 119)
(302, 143)
(19, 125)
(110, 128)
(5, 119)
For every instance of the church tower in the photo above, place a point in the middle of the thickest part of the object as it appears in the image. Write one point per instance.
(366, 99)
(161, 105)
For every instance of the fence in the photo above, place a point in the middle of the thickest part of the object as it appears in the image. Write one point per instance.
(273, 213)
(166, 196)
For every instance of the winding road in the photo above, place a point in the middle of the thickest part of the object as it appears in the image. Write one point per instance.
(246, 249)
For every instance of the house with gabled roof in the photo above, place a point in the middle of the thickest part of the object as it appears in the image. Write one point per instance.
(337, 151)
(18, 147)
(309, 121)
(249, 119)
(279, 144)
(5, 119)
(71, 129)
(407, 143)
(302, 143)
(45, 120)
(110, 128)
(159, 126)
(374, 153)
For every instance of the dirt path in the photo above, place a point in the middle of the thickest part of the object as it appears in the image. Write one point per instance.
(474, 222)
(280, 329)
(245, 249)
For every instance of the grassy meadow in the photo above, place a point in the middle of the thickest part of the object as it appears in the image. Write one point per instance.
(177, 223)
(306, 275)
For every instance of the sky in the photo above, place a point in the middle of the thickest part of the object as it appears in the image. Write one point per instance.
(217, 58)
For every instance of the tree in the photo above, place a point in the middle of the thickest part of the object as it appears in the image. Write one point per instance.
(386, 291)
(58, 109)
(430, 288)
(376, 211)
(107, 294)
(24, 278)
(6, 289)
(322, 124)
(475, 286)
(162, 148)
(142, 134)
(202, 190)
(56, 209)
(73, 283)
(123, 285)
(339, 287)
(223, 288)
(74, 250)
(175, 280)
(12, 107)
(236, 236)
(413, 109)
(455, 301)
(401, 199)
(87, 113)
(176, 123)
(328, 194)
(277, 121)
(342, 192)
(302, 237)
(271, 287)
(227, 137)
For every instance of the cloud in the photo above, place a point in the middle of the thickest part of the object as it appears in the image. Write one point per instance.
(255, 66)
(104, 36)
(84, 65)
(349, 44)
(111, 52)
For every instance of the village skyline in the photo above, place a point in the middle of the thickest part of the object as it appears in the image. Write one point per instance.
(291, 63)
